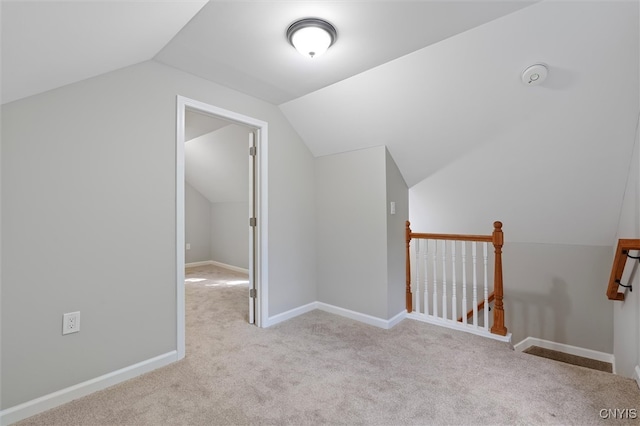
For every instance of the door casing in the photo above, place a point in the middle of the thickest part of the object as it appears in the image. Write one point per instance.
(260, 198)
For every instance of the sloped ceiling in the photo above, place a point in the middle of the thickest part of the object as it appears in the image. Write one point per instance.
(472, 141)
(197, 124)
(48, 44)
(217, 164)
(437, 82)
(242, 44)
(433, 106)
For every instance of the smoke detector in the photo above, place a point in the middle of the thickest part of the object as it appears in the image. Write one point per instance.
(535, 75)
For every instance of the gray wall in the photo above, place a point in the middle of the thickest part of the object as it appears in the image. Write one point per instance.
(216, 231)
(556, 292)
(626, 340)
(229, 237)
(397, 192)
(351, 225)
(88, 220)
(360, 244)
(217, 165)
(541, 274)
(197, 218)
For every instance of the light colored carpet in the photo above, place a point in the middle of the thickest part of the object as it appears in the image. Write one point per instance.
(323, 369)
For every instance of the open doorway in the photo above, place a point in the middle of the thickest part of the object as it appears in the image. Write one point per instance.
(242, 199)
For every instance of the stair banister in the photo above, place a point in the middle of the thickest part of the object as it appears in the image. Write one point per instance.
(619, 262)
(407, 233)
(498, 308)
(496, 238)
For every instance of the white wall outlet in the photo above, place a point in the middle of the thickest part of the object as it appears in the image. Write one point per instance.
(71, 322)
(188, 246)
(392, 208)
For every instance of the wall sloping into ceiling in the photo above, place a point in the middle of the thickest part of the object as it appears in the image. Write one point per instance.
(475, 144)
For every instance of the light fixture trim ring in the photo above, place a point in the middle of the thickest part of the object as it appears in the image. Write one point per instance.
(312, 22)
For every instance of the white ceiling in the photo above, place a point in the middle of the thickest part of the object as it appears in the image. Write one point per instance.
(217, 164)
(437, 82)
(440, 103)
(48, 44)
(198, 124)
(216, 158)
(242, 44)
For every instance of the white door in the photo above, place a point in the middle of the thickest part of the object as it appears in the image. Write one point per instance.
(252, 227)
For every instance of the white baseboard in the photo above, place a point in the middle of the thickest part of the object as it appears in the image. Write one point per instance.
(291, 314)
(194, 264)
(216, 263)
(397, 319)
(367, 319)
(455, 325)
(230, 267)
(567, 349)
(55, 399)
(637, 376)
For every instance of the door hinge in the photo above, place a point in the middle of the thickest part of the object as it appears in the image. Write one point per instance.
(253, 293)
(252, 151)
(253, 221)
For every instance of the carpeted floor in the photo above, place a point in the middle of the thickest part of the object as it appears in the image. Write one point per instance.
(323, 369)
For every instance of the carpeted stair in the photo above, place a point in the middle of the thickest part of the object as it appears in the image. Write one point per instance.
(570, 359)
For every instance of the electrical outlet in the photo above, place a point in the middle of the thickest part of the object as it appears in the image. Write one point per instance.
(188, 246)
(71, 322)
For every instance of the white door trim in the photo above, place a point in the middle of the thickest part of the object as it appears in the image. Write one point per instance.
(251, 146)
(261, 204)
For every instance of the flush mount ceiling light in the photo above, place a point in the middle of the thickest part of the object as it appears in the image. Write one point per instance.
(311, 36)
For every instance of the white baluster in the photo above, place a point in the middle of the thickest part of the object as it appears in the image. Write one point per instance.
(475, 285)
(425, 258)
(444, 279)
(435, 279)
(486, 289)
(464, 282)
(454, 302)
(417, 289)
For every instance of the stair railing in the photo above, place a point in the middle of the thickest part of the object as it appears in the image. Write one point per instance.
(480, 306)
(619, 262)
(432, 286)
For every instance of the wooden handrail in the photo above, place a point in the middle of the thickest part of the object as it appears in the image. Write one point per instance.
(619, 261)
(407, 238)
(496, 238)
(455, 237)
(490, 299)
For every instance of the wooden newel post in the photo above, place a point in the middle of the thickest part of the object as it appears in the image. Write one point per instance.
(498, 308)
(408, 263)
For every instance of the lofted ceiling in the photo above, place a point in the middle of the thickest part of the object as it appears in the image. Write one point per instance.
(215, 156)
(48, 44)
(437, 82)
(216, 163)
(242, 45)
(198, 124)
(438, 104)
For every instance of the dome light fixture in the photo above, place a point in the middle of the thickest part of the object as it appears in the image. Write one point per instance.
(311, 36)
